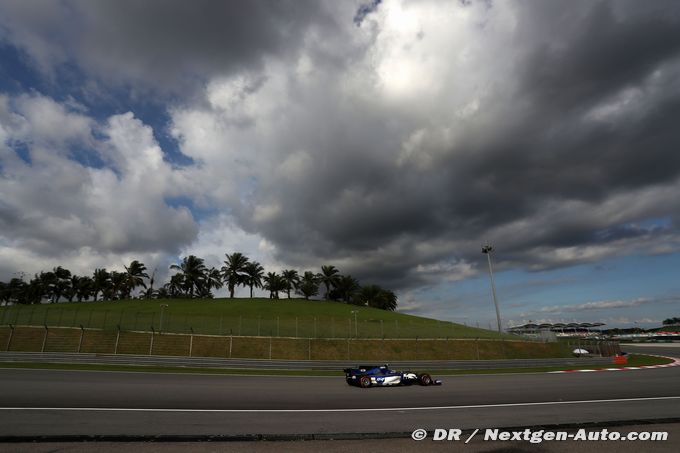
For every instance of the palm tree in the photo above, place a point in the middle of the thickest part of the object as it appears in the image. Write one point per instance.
(35, 291)
(291, 278)
(176, 285)
(376, 297)
(388, 300)
(192, 270)
(17, 291)
(101, 281)
(345, 288)
(274, 283)
(39, 288)
(48, 281)
(134, 276)
(118, 288)
(254, 273)
(149, 293)
(62, 282)
(213, 279)
(308, 285)
(234, 271)
(73, 288)
(83, 288)
(329, 277)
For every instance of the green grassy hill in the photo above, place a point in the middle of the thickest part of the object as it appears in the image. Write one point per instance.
(241, 317)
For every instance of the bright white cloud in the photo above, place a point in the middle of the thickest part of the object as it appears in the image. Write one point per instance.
(65, 211)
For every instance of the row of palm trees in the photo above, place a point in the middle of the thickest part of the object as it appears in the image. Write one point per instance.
(193, 279)
(60, 283)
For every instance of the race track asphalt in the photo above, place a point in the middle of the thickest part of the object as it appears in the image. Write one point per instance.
(79, 403)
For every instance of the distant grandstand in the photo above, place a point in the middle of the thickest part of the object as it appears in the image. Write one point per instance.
(572, 329)
(668, 332)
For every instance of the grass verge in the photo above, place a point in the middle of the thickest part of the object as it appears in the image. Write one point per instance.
(634, 360)
(240, 317)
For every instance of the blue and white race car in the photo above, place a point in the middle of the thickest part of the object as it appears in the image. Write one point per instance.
(380, 375)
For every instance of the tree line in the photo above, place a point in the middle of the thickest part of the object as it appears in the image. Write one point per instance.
(193, 279)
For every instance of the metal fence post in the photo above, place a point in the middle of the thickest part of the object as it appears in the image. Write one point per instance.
(44, 340)
(115, 348)
(151, 343)
(11, 334)
(82, 334)
(191, 341)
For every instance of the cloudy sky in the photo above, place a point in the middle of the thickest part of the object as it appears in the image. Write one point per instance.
(390, 139)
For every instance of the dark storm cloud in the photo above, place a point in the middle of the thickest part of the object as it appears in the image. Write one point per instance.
(565, 141)
(604, 54)
(171, 45)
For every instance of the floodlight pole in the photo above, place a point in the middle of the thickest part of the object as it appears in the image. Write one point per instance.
(487, 249)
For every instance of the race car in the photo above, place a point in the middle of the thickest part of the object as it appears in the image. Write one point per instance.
(381, 375)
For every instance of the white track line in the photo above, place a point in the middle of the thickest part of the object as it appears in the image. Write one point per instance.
(385, 409)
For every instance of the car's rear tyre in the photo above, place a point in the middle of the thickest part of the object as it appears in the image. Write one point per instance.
(425, 379)
(364, 381)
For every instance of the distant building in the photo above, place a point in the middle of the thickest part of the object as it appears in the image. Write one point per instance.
(558, 330)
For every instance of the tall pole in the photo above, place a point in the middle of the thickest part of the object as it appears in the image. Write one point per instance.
(487, 249)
